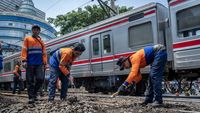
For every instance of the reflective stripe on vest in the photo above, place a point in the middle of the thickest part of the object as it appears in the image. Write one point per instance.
(33, 50)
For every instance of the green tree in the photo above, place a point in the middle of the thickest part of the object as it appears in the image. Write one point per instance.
(75, 20)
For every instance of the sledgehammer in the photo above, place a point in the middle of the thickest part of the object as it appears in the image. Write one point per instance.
(114, 94)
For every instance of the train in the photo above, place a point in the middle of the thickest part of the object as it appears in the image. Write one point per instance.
(176, 26)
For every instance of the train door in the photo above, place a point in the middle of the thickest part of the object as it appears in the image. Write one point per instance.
(185, 30)
(107, 51)
(96, 61)
(101, 53)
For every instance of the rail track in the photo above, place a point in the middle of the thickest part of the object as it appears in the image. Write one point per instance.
(172, 98)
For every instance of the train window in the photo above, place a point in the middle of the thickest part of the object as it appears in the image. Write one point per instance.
(106, 44)
(7, 67)
(138, 37)
(185, 27)
(95, 46)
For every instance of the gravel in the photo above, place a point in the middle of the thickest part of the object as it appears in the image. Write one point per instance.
(83, 104)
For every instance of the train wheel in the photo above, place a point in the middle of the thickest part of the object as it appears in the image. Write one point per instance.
(181, 86)
(169, 87)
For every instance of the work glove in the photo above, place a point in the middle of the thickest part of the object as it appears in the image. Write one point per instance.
(123, 87)
(24, 64)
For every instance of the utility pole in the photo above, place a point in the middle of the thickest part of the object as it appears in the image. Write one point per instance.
(112, 5)
(106, 8)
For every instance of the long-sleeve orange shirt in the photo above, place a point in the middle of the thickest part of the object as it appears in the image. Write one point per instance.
(34, 51)
(61, 59)
(140, 59)
(137, 61)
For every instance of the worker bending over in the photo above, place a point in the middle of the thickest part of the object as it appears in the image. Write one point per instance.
(156, 56)
(60, 63)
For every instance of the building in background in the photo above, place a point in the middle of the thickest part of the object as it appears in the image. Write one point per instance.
(16, 20)
(14, 5)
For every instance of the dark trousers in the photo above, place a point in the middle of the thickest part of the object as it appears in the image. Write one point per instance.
(17, 81)
(35, 79)
(154, 90)
(41, 92)
(54, 74)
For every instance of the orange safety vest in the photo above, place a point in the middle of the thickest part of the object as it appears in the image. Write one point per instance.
(34, 51)
(62, 59)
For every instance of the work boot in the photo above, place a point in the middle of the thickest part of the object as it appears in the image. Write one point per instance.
(145, 103)
(36, 99)
(31, 101)
(50, 102)
(157, 104)
(51, 99)
(63, 99)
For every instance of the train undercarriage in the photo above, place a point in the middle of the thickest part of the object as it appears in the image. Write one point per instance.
(174, 82)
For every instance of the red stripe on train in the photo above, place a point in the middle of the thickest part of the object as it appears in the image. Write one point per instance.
(81, 62)
(176, 2)
(102, 59)
(8, 73)
(186, 44)
(95, 30)
(175, 46)
(149, 13)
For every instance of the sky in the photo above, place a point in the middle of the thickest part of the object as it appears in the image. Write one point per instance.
(52, 8)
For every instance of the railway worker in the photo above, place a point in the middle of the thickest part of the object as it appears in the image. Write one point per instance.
(1, 58)
(60, 63)
(17, 77)
(34, 59)
(156, 56)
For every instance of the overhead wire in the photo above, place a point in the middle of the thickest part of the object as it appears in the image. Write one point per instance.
(72, 10)
(51, 6)
(82, 5)
(75, 9)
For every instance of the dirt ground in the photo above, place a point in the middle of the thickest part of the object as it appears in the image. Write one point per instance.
(84, 104)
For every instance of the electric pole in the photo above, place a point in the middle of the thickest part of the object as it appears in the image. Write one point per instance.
(112, 5)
